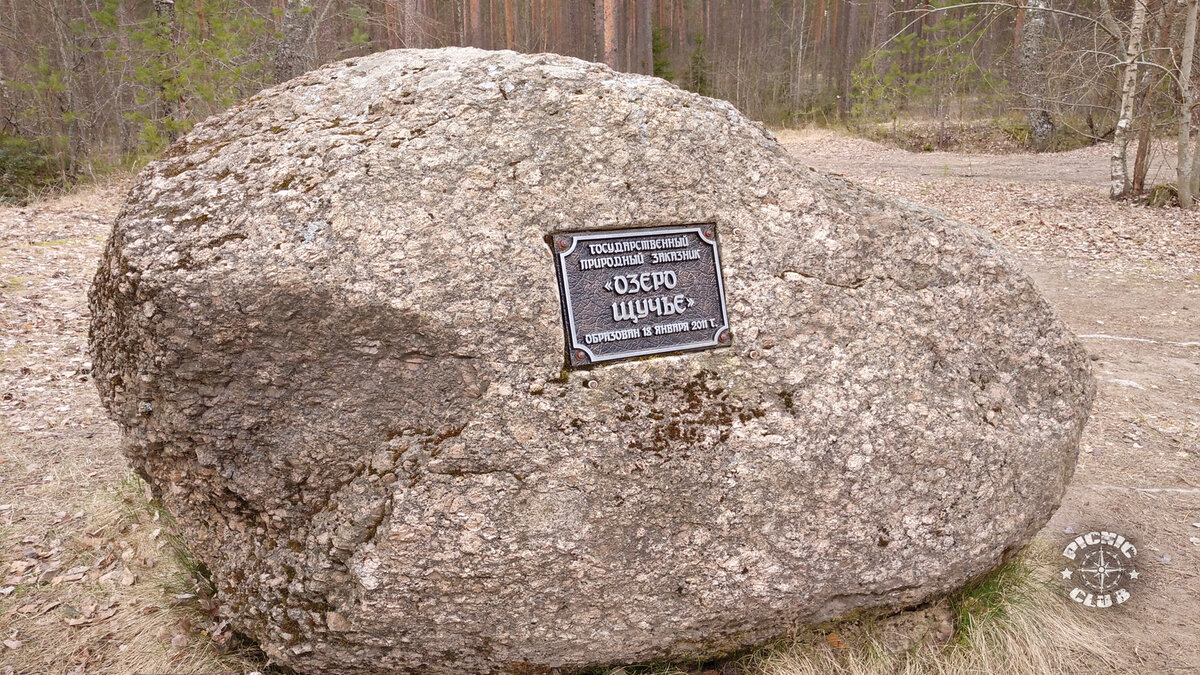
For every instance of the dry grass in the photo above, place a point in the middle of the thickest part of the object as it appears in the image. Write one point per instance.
(121, 597)
(1016, 621)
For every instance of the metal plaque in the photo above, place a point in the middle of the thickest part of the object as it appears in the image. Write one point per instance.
(634, 293)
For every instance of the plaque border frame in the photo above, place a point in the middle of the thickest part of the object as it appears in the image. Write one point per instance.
(568, 315)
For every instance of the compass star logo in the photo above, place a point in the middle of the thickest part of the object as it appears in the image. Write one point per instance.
(1100, 568)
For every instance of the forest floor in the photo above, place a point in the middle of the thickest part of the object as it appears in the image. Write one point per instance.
(90, 577)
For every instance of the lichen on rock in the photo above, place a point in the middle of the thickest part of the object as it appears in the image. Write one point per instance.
(328, 323)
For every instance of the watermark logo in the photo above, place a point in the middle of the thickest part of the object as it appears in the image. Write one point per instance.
(1099, 568)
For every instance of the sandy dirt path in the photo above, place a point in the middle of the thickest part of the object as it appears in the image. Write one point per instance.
(827, 150)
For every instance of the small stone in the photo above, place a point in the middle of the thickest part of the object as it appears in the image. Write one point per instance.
(336, 622)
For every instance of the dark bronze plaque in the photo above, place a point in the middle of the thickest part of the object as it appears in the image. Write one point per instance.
(633, 293)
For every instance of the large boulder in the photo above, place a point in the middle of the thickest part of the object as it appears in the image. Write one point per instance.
(328, 322)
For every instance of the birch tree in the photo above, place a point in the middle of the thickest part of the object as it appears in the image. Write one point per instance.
(413, 30)
(1033, 82)
(1185, 157)
(1120, 182)
(164, 12)
(297, 52)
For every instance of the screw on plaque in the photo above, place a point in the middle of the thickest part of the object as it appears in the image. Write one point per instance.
(579, 356)
(708, 233)
(562, 243)
(723, 338)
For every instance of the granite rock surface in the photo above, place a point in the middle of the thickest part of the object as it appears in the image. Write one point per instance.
(328, 323)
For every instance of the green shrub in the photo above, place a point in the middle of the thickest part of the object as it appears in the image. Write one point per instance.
(935, 70)
(25, 168)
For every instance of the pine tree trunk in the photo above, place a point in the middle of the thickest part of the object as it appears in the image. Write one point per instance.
(610, 32)
(707, 20)
(537, 21)
(817, 37)
(882, 31)
(475, 12)
(201, 20)
(680, 24)
(510, 25)
(628, 24)
(598, 30)
(737, 82)
(796, 60)
(848, 58)
(832, 46)
(391, 23)
(645, 37)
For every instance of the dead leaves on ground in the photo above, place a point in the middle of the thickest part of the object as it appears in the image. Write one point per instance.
(836, 641)
(92, 585)
(1052, 205)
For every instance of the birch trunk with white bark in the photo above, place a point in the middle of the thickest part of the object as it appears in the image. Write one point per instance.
(1034, 85)
(1184, 165)
(297, 46)
(412, 25)
(1120, 184)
